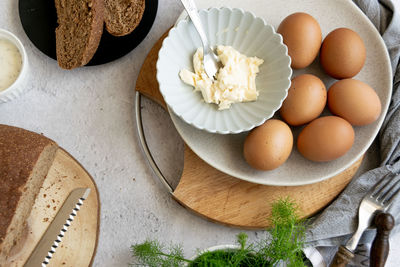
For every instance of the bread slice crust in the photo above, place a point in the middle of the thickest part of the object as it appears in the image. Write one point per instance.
(79, 31)
(123, 16)
(25, 159)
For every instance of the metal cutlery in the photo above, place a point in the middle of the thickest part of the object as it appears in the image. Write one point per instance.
(379, 198)
(51, 239)
(211, 61)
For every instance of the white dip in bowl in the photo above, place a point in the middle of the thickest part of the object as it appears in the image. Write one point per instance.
(13, 65)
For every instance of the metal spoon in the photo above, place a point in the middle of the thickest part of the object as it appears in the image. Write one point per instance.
(211, 61)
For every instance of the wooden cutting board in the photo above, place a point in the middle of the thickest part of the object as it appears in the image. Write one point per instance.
(227, 200)
(80, 241)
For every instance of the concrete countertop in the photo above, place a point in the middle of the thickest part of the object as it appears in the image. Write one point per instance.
(90, 112)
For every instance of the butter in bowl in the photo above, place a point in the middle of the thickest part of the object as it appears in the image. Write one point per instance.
(253, 56)
(13, 66)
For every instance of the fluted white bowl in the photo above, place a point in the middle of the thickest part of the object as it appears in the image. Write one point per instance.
(248, 34)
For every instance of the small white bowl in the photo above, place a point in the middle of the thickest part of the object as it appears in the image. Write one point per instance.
(248, 34)
(17, 87)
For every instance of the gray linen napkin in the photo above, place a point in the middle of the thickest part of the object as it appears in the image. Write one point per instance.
(335, 224)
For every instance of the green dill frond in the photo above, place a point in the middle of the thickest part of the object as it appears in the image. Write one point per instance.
(152, 254)
(147, 252)
(284, 211)
(285, 244)
(287, 235)
(242, 239)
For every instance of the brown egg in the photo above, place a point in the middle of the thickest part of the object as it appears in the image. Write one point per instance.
(326, 138)
(302, 35)
(354, 101)
(342, 53)
(305, 101)
(269, 145)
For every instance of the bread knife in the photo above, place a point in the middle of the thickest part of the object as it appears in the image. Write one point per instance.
(51, 239)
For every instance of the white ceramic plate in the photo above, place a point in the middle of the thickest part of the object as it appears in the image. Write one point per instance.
(224, 152)
(249, 35)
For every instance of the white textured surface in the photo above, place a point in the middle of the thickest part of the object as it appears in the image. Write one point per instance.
(89, 112)
(248, 34)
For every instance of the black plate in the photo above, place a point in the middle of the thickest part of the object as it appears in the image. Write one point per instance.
(39, 20)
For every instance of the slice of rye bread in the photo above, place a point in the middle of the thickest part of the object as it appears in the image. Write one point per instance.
(80, 26)
(123, 16)
(25, 159)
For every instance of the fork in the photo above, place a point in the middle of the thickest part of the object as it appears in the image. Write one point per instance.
(211, 61)
(378, 198)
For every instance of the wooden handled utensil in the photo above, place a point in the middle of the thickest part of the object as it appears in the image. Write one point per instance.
(378, 199)
(380, 246)
(342, 257)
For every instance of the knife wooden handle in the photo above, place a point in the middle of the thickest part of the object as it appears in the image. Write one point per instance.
(342, 257)
(380, 246)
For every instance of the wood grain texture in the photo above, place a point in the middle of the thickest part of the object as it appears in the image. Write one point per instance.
(231, 201)
(380, 246)
(147, 82)
(342, 257)
(225, 199)
(80, 241)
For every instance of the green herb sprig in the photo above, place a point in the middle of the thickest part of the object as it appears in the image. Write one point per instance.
(287, 235)
(284, 244)
(151, 253)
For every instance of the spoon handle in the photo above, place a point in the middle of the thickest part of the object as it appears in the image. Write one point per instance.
(191, 9)
(380, 246)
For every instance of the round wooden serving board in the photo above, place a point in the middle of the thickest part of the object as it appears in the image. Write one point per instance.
(228, 200)
(80, 241)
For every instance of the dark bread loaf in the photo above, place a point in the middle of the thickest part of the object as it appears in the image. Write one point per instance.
(80, 26)
(25, 159)
(123, 16)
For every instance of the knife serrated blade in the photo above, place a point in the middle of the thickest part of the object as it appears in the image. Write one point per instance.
(50, 240)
